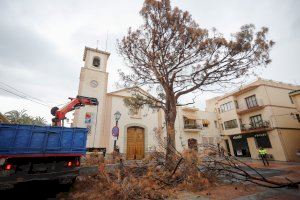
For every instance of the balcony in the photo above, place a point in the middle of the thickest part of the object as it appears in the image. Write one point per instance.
(244, 108)
(190, 109)
(257, 127)
(192, 127)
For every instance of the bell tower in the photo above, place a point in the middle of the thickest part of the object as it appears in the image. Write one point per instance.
(93, 83)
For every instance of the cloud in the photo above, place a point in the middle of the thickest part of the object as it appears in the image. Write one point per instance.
(42, 42)
(27, 60)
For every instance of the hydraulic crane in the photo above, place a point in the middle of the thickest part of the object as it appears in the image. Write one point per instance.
(52, 161)
(60, 113)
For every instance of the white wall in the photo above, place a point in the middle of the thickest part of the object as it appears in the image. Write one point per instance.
(148, 120)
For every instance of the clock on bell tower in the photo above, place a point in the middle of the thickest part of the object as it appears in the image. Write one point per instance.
(93, 83)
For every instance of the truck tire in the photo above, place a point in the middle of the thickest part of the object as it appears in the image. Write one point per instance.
(67, 181)
(6, 186)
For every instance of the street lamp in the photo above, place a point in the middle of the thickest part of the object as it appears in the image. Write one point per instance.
(117, 117)
(115, 130)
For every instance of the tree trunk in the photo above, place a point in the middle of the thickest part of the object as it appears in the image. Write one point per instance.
(170, 117)
(171, 148)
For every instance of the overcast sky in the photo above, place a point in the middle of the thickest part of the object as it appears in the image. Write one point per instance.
(42, 42)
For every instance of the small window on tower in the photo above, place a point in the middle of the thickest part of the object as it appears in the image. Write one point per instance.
(96, 62)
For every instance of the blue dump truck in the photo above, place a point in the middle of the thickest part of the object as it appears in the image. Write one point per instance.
(29, 152)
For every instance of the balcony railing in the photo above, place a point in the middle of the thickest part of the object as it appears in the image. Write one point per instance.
(244, 108)
(256, 127)
(192, 126)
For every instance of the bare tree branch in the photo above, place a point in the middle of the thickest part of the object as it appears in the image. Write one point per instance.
(169, 52)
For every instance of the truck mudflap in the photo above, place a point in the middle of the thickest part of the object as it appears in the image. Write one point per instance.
(15, 178)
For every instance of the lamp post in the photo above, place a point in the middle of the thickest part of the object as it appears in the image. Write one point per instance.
(115, 130)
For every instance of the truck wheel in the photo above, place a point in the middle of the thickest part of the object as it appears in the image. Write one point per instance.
(65, 184)
(67, 181)
(6, 186)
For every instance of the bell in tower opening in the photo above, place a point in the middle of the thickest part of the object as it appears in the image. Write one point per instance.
(96, 61)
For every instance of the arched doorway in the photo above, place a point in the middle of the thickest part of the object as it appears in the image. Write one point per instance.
(193, 144)
(135, 143)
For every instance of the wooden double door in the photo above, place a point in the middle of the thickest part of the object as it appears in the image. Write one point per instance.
(135, 143)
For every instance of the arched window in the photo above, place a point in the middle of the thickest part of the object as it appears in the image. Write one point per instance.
(96, 61)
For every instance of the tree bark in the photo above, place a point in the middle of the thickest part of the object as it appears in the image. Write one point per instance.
(170, 117)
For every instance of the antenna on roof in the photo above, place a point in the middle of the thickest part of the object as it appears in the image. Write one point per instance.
(295, 82)
(97, 44)
(106, 41)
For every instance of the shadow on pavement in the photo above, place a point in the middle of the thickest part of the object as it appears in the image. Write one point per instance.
(35, 190)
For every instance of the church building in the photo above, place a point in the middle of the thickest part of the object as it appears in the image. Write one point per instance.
(136, 129)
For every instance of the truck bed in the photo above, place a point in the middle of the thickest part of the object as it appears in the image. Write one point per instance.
(31, 140)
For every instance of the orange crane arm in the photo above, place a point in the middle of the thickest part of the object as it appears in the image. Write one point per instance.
(79, 101)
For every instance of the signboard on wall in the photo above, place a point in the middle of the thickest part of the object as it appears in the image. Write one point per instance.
(244, 136)
(88, 119)
(237, 137)
(260, 135)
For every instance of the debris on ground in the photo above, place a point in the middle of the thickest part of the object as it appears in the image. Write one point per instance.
(192, 173)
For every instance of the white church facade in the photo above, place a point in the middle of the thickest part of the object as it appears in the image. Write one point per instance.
(136, 129)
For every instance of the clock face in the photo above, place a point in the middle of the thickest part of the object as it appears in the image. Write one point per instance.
(94, 83)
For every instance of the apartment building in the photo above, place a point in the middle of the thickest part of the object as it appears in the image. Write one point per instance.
(295, 95)
(259, 115)
(194, 126)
